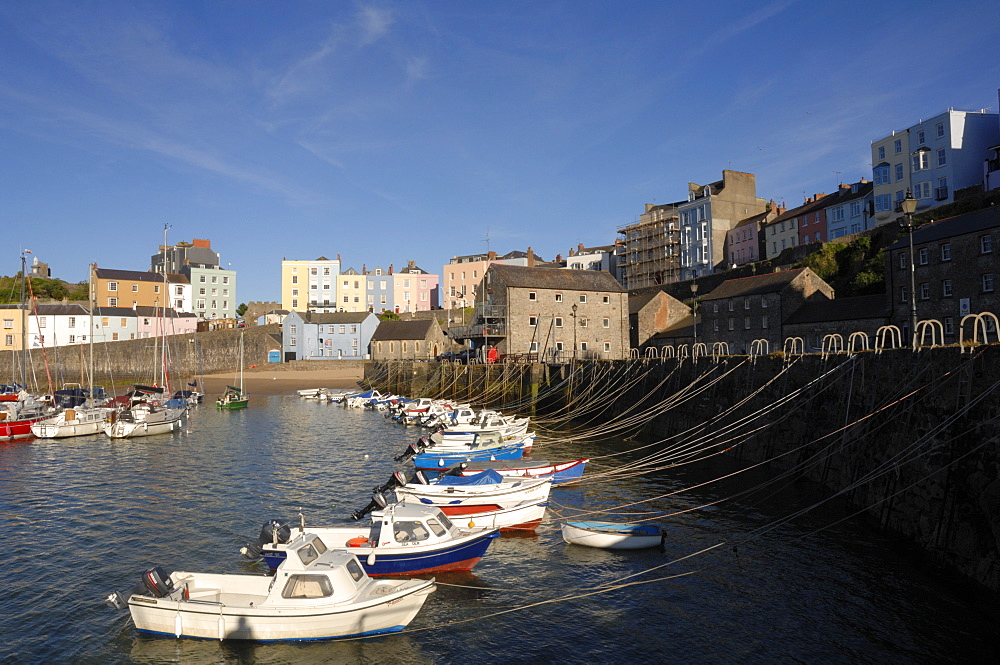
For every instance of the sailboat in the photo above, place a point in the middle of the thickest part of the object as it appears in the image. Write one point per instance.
(19, 410)
(146, 413)
(234, 398)
(80, 416)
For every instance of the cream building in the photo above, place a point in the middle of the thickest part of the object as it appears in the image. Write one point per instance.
(310, 285)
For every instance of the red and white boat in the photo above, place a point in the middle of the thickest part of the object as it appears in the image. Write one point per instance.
(18, 412)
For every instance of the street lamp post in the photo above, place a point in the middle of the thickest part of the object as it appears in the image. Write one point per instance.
(574, 331)
(694, 309)
(909, 206)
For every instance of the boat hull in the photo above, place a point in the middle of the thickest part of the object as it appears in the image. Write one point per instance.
(611, 536)
(440, 461)
(233, 405)
(85, 423)
(122, 429)
(560, 472)
(17, 429)
(217, 619)
(408, 560)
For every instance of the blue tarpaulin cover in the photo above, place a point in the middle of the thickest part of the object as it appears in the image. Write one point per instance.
(488, 477)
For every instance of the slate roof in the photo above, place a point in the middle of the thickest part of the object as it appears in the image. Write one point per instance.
(547, 278)
(973, 222)
(333, 317)
(636, 303)
(756, 284)
(841, 309)
(399, 330)
(139, 276)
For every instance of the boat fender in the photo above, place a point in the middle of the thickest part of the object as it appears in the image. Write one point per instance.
(360, 541)
(371, 559)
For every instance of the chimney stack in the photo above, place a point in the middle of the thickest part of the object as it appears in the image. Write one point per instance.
(531, 258)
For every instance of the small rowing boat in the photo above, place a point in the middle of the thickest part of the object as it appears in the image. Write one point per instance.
(612, 535)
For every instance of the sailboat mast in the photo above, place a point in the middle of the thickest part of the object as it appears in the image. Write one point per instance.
(24, 324)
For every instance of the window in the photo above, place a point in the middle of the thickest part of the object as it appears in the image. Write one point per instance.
(114, 337)
(533, 347)
(940, 129)
(607, 322)
(903, 294)
(41, 321)
(354, 329)
(559, 322)
(985, 244)
(112, 286)
(532, 295)
(946, 251)
(201, 304)
(763, 322)
(583, 346)
(201, 278)
(988, 282)
(8, 323)
(732, 323)
(746, 323)
(923, 255)
(583, 322)
(946, 289)
(922, 190)
(295, 279)
(921, 137)
(897, 146)
(730, 303)
(72, 322)
(104, 322)
(112, 302)
(949, 325)
(925, 291)
(559, 346)
(607, 347)
(532, 321)
(921, 160)
(942, 157)
(583, 297)
(343, 329)
(307, 586)
(881, 152)
(8, 340)
(883, 203)
(559, 297)
(881, 177)
(899, 172)
(605, 299)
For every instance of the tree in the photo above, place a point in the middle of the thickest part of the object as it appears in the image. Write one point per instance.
(242, 309)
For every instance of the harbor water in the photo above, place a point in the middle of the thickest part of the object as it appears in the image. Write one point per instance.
(751, 578)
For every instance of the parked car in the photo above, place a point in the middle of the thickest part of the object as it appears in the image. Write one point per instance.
(462, 356)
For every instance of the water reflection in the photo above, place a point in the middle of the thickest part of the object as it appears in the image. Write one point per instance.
(86, 516)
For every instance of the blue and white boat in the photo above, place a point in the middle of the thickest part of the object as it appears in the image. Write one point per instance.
(406, 539)
(559, 472)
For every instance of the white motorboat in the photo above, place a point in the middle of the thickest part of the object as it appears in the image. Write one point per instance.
(612, 535)
(312, 596)
(311, 392)
(407, 539)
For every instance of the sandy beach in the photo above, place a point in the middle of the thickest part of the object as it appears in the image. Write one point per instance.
(268, 381)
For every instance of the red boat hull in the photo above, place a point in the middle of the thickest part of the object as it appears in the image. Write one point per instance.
(17, 429)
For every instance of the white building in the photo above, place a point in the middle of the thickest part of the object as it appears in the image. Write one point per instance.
(931, 159)
(310, 285)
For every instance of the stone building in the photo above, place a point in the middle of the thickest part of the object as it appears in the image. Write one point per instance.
(742, 310)
(651, 313)
(419, 339)
(955, 269)
(813, 321)
(550, 314)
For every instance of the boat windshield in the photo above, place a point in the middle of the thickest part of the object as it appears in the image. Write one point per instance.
(307, 554)
(355, 570)
(444, 520)
(410, 532)
(319, 545)
(436, 527)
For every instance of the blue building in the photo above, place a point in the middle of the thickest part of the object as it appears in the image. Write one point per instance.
(327, 336)
(380, 290)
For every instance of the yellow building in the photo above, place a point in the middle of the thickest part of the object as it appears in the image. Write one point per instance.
(130, 288)
(310, 285)
(11, 322)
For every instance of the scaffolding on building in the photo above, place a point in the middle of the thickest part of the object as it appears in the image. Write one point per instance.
(650, 253)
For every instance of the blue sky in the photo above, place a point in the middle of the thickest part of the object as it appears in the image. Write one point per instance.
(391, 131)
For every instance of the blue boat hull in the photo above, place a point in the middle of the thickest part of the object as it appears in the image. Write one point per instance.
(408, 562)
(439, 461)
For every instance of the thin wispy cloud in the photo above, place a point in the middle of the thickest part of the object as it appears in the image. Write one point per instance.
(374, 24)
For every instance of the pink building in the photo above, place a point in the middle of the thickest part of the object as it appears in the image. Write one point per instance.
(154, 322)
(744, 242)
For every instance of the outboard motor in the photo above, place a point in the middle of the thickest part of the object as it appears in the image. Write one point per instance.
(397, 479)
(273, 531)
(157, 582)
(457, 469)
(411, 450)
(419, 478)
(378, 501)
